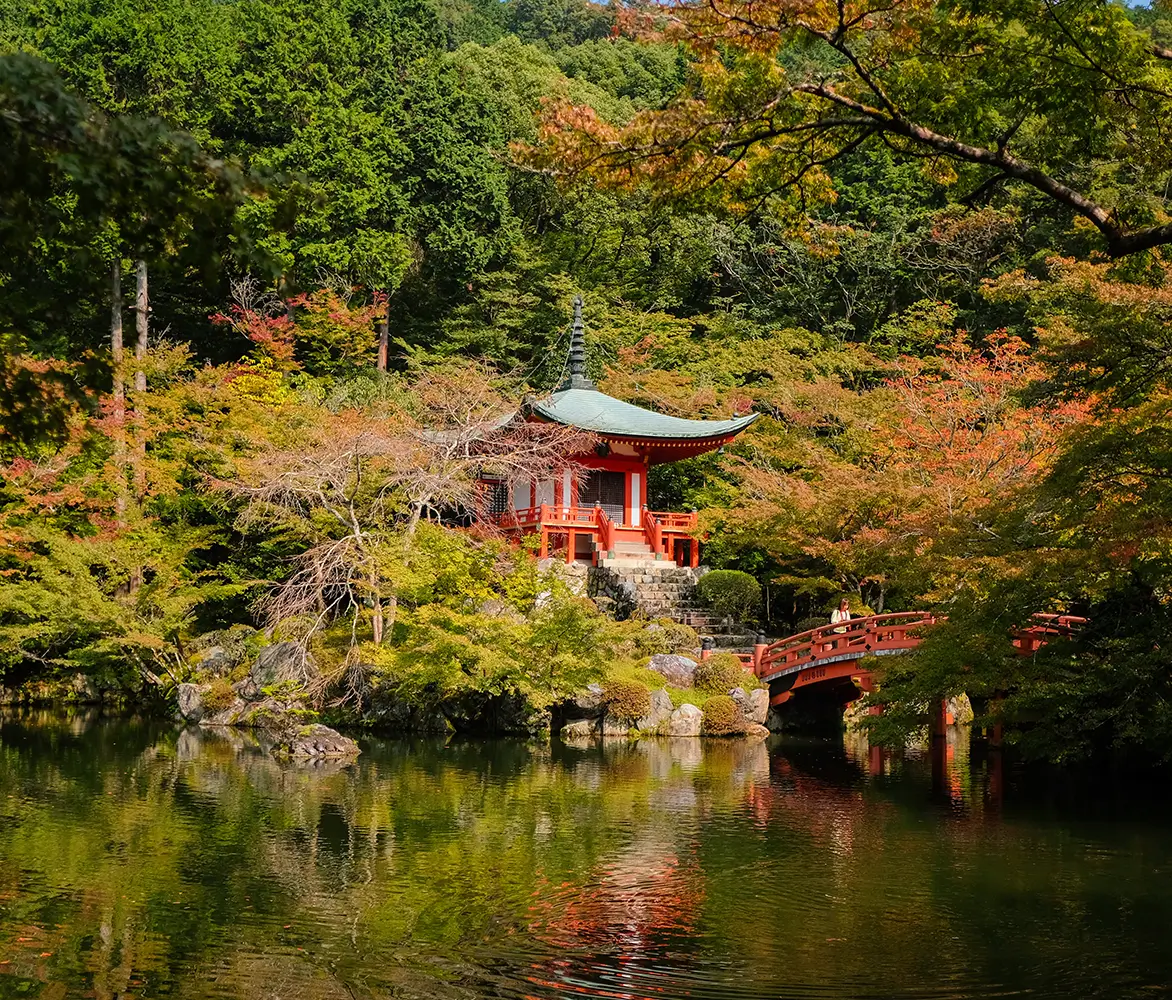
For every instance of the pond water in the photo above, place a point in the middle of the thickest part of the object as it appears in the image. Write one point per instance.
(141, 860)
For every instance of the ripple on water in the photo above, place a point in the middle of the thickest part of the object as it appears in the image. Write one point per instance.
(137, 861)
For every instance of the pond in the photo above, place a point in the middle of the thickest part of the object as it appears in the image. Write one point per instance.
(142, 860)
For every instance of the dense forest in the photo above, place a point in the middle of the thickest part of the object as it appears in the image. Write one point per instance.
(252, 247)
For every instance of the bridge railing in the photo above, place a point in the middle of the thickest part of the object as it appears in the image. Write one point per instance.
(858, 636)
(880, 634)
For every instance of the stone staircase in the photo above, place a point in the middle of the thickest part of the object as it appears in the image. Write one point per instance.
(639, 581)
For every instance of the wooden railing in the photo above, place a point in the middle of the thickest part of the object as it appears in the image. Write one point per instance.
(659, 529)
(652, 532)
(605, 529)
(879, 635)
(873, 635)
(676, 522)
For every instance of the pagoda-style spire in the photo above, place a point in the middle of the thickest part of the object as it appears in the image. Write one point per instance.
(576, 377)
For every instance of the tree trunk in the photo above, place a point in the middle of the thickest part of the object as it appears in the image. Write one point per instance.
(116, 341)
(118, 412)
(377, 610)
(384, 337)
(142, 328)
(141, 321)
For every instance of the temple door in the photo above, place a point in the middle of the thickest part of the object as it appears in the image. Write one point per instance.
(609, 489)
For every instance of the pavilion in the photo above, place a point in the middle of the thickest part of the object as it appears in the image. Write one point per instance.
(602, 510)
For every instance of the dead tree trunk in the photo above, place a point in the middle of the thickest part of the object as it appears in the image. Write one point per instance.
(141, 322)
(142, 331)
(119, 395)
(384, 337)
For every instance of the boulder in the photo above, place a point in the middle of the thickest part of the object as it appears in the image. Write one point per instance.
(612, 725)
(685, 721)
(585, 704)
(218, 653)
(576, 732)
(191, 706)
(216, 660)
(314, 742)
(282, 663)
(755, 732)
(675, 669)
(753, 705)
(961, 710)
(661, 711)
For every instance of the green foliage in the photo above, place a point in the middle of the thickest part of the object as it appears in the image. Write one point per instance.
(302, 167)
(219, 695)
(721, 717)
(730, 592)
(627, 701)
(720, 673)
(813, 622)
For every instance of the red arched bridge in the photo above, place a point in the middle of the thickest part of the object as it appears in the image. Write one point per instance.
(833, 657)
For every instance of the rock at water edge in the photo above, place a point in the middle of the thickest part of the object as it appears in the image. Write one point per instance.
(191, 707)
(316, 741)
(576, 732)
(588, 703)
(685, 721)
(753, 705)
(755, 732)
(661, 711)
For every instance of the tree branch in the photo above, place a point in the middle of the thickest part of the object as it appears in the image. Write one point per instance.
(1119, 242)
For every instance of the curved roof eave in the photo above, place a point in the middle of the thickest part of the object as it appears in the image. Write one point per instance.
(595, 411)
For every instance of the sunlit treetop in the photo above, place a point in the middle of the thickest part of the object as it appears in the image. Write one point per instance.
(1073, 99)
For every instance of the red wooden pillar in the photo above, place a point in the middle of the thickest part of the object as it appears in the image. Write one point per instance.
(571, 545)
(695, 561)
(939, 724)
(759, 648)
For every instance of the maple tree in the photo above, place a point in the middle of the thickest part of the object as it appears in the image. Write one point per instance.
(782, 89)
(953, 436)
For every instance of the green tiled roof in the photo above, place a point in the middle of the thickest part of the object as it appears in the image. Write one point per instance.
(595, 411)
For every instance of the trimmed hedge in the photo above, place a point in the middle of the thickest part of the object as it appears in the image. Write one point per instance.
(721, 717)
(730, 592)
(720, 673)
(627, 700)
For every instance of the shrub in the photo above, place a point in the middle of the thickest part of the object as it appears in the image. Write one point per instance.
(627, 700)
(721, 716)
(677, 636)
(730, 592)
(814, 621)
(720, 673)
(219, 695)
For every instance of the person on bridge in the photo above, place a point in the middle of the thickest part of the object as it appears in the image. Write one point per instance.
(841, 614)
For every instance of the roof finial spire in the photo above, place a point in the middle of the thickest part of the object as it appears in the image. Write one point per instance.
(576, 379)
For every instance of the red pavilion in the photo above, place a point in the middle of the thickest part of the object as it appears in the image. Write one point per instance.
(601, 512)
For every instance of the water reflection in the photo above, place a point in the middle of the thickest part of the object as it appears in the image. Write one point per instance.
(143, 861)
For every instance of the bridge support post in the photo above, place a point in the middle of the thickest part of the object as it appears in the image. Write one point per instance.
(939, 722)
(759, 651)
